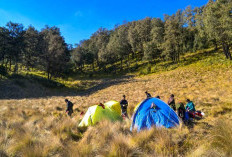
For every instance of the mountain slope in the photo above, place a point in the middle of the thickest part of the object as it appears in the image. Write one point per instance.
(39, 125)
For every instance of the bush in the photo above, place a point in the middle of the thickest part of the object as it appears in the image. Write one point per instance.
(146, 70)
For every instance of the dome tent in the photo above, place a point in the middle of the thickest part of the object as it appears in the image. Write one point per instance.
(153, 112)
(114, 105)
(98, 113)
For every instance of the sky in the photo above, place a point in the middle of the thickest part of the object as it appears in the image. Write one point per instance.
(79, 19)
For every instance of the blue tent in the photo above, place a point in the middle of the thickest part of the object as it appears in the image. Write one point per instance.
(154, 112)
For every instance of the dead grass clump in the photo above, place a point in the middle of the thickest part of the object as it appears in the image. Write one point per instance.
(22, 144)
(66, 129)
(220, 137)
(99, 139)
(157, 141)
(120, 146)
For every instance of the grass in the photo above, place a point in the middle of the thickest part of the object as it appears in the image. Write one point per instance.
(40, 127)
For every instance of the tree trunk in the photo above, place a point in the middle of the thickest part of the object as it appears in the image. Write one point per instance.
(93, 66)
(3, 59)
(128, 58)
(16, 67)
(10, 65)
(6, 65)
(133, 55)
(98, 64)
(228, 52)
(141, 59)
(225, 50)
(215, 44)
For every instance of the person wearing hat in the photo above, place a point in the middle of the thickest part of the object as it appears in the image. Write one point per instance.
(69, 109)
(124, 105)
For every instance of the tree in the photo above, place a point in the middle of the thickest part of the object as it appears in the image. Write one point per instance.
(77, 57)
(189, 29)
(54, 56)
(32, 48)
(4, 43)
(153, 49)
(118, 45)
(218, 23)
(16, 44)
(88, 55)
(173, 38)
(140, 33)
(201, 40)
(102, 39)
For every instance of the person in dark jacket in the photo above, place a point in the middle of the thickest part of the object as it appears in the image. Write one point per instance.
(158, 97)
(181, 110)
(69, 109)
(124, 105)
(148, 95)
(171, 102)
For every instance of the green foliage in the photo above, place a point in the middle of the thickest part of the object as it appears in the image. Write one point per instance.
(111, 51)
(54, 55)
(218, 21)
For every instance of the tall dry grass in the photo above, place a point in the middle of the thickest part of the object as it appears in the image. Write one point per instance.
(40, 127)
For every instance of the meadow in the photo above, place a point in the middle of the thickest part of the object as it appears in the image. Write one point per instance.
(38, 126)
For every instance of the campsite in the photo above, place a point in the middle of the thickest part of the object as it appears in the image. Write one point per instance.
(85, 89)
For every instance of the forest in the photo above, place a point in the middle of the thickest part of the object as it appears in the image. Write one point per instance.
(149, 39)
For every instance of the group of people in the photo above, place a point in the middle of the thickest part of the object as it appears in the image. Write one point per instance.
(180, 109)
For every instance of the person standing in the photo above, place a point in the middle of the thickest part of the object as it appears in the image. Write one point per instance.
(171, 102)
(69, 109)
(124, 105)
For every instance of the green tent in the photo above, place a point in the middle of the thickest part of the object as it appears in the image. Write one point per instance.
(114, 105)
(98, 113)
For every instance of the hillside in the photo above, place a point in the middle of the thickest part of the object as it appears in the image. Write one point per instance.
(38, 126)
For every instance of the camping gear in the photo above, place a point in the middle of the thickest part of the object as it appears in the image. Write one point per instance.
(153, 112)
(114, 105)
(196, 114)
(98, 113)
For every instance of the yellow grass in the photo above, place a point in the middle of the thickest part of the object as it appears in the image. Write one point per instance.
(40, 127)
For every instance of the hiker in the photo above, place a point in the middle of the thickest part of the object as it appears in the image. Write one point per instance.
(171, 102)
(190, 106)
(181, 110)
(148, 95)
(124, 105)
(69, 109)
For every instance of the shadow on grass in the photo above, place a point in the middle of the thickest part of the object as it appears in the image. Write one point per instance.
(31, 86)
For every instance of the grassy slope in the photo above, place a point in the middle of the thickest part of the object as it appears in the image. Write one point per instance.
(39, 126)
